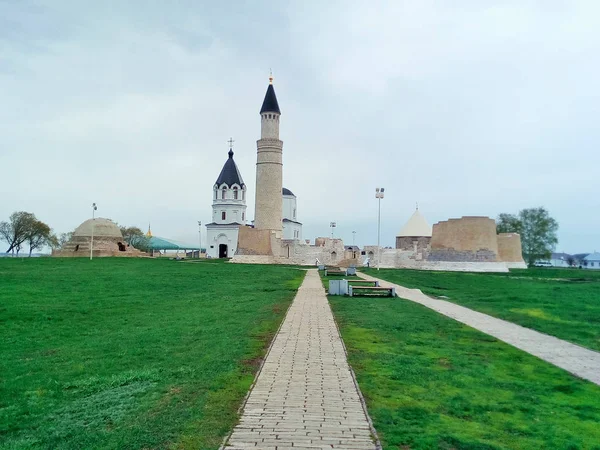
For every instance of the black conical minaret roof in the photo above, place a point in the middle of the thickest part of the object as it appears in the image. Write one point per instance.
(270, 103)
(230, 174)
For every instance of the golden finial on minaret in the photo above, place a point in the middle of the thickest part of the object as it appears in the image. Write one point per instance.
(270, 76)
(149, 233)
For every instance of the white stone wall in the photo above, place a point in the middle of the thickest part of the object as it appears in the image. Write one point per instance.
(221, 234)
(332, 252)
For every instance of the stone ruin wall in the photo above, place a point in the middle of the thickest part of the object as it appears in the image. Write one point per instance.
(510, 250)
(329, 252)
(252, 241)
(468, 239)
(408, 243)
(103, 246)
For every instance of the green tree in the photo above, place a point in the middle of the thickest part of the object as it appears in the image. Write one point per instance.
(38, 236)
(537, 230)
(135, 237)
(17, 230)
(538, 234)
(508, 223)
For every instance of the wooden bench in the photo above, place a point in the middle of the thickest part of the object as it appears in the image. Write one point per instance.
(359, 282)
(334, 272)
(354, 291)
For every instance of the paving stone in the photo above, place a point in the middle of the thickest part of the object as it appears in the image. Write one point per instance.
(304, 396)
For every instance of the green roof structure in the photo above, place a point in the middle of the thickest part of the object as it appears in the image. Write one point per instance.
(159, 243)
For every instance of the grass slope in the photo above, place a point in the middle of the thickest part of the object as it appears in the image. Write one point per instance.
(433, 383)
(561, 302)
(131, 353)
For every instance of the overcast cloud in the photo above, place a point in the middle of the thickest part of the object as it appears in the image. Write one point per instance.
(466, 107)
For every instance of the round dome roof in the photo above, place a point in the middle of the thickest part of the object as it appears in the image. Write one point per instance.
(102, 228)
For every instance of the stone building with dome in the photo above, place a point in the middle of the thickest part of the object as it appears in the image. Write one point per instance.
(415, 235)
(103, 234)
(228, 211)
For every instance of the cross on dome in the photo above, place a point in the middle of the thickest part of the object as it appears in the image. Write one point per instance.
(230, 142)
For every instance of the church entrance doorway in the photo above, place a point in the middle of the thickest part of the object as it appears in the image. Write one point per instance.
(222, 250)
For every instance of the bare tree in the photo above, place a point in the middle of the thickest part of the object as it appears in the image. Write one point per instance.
(63, 238)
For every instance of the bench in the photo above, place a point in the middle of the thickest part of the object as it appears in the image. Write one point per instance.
(354, 291)
(374, 283)
(334, 272)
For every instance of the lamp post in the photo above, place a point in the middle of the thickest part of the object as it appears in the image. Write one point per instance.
(200, 237)
(332, 225)
(353, 238)
(94, 208)
(379, 196)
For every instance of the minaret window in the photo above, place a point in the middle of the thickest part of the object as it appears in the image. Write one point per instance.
(235, 193)
(243, 195)
(243, 216)
(223, 215)
(223, 192)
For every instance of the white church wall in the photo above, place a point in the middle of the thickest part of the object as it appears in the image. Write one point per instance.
(292, 231)
(217, 235)
(290, 208)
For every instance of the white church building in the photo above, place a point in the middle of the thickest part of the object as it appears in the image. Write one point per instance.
(292, 229)
(229, 192)
(228, 211)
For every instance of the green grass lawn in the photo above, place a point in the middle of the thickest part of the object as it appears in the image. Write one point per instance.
(561, 302)
(433, 383)
(131, 353)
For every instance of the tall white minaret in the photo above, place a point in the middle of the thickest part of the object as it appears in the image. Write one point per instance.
(269, 166)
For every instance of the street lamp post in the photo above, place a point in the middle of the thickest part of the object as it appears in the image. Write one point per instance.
(332, 225)
(200, 237)
(353, 238)
(94, 208)
(379, 196)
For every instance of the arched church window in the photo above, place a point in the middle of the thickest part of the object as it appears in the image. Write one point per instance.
(243, 195)
(235, 193)
(243, 216)
(223, 192)
(216, 194)
(223, 215)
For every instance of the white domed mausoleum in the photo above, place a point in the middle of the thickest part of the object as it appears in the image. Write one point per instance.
(415, 235)
(229, 211)
(107, 240)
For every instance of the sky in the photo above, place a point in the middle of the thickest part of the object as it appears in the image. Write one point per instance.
(468, 107)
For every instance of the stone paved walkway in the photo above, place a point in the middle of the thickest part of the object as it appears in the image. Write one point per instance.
(305, 396)
(580, 361)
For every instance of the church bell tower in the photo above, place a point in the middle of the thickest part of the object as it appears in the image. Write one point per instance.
(269, 166)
